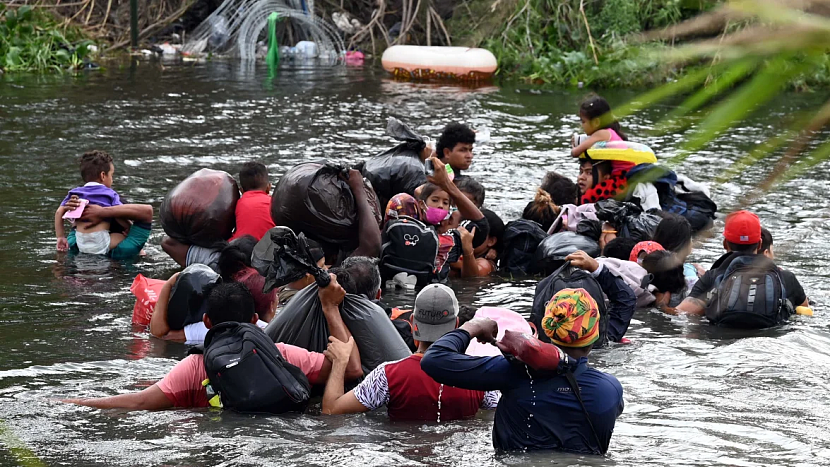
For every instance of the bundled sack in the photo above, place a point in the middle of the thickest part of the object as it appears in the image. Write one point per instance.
(313, 198)
(554, 249)
(520, 241)
(676, 194)
(543, 358)
(282, 257)
(201, 210)
(303, 324)
(630, 220)
(146, 293)
(400, 169)
(187, 299)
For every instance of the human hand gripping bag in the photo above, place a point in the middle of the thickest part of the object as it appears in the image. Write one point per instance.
(302, 323)
(201, 210)
(314, 199)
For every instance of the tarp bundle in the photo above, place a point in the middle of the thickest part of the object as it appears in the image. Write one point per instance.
(628, 218)
(201, 210)
(188, 298)
(313, 198)
(303, 324)
(400, 169)
(552, 251)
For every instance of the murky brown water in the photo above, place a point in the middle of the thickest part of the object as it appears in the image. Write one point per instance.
(694, 395)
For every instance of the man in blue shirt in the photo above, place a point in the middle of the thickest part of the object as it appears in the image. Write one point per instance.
(541, 412)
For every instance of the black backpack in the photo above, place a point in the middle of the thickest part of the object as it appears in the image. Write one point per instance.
(248, 372)
(568, 277)
(749, 294)
(520, 240)
(409, 246)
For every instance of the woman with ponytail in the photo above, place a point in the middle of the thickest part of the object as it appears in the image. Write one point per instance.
(542, 209)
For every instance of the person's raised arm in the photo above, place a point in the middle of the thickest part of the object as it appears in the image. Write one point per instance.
(599, 135)
(331, 297)
(368, 230)
(151, 398)
(134, 212)
(176, 250)
(334, 401)
(466, 207)
(469, 264)
(158, 322)
(446, 362)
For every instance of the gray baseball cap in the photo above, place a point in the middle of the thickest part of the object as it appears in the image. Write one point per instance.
(436, 313)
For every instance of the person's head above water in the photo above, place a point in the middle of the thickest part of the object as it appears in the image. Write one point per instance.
(674, 233)
(455, 146)
(742, 232)
(667, 269)
(97, 166)
(562, 190)
(404, 204)
(435, 314)
(254, 176)
(229, 302)
(362, 276)
(437, 204)
(541, 210)
(592, 173)
(571, 321)
(494, 237)
(619, 248)
(472, 189)
(766, 244)
(234, 265)
(595, 114)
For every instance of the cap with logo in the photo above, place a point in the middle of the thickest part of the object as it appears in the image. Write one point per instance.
(742, 228)
(436, 313)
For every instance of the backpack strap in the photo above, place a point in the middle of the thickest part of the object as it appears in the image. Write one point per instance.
(196, 350)
(575, 388)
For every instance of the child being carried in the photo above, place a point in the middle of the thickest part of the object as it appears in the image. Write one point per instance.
(97, 171)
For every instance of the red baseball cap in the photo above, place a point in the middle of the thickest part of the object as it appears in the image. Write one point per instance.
(742, 228)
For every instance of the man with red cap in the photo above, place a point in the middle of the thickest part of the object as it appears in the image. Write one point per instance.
(741, 237)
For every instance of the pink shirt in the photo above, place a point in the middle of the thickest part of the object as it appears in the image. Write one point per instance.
(183, 385)
(614, 135)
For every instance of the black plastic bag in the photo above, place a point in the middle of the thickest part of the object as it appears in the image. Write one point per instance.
(400, 169)
(314, 199)
(590, 228)
(628, 218)
(201, 210)
(303, 324)
(188, 298)
(283, 257)
(551, 253)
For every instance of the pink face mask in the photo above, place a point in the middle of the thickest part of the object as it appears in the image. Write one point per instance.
(435, 216)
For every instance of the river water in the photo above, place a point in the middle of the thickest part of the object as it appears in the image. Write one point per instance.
(694, 395)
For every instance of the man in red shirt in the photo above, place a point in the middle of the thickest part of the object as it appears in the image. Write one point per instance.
(408, 392)
(183, 387)
(253, 210)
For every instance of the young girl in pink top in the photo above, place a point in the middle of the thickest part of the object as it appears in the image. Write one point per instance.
(599, 124)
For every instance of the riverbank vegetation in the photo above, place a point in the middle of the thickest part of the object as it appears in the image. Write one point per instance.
(31, 39)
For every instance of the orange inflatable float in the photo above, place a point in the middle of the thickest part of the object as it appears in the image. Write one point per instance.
(423, 62)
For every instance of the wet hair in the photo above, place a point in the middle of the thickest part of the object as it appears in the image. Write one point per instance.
(230, 302)
(766, 239)
(465, 313)
(453, 134)
(599, 168)
(363, 276)
(93, 163)
(594, 106)
(739, 248)
(561, 189)
(667, 270)
(471, 186)
(619, 248)
(253, 176)
(236, 256)
(428, 189)
(542, 209)
(496, 228)
(673, 233)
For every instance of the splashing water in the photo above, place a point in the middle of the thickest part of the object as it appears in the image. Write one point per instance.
(440, 392)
